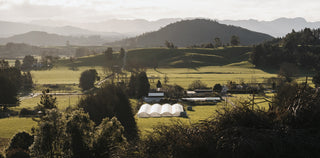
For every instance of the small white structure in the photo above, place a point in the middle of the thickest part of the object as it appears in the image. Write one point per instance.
(166, 110)
(157, 110)
(144, 110)
(177, 109)
(205, 99)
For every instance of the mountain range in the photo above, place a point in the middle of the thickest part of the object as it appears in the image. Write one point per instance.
(277, 28)
(114, 30)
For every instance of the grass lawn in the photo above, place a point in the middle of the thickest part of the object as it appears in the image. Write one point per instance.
(61, 75)
(212, 74)
(62, 102)
(10, 126)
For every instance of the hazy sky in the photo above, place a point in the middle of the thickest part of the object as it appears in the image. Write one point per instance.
(99, 10)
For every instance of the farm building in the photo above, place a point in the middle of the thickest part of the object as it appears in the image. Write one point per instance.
(202, 99)
(154, 97)
(157, 110)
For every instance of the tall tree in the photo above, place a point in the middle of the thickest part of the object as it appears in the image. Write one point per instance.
(234, 40)
(8, 91)
(143, 85)
(108, 54)
(47, 101)
(88, 78)
(111, 101)
(159, 85)
(218, 42)
(28, 62)
(17, 64)
(109, 140)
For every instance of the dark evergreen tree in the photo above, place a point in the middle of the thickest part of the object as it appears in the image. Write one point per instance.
(234, 40)
(143, 85)
(17, 64)
(111, 101)
(8, 91)
(109, 140)
(108, 54)
(217, 88)
(159, 85)
(47, 101)
(218, 42)
(28, 62)
(87, 79)
(78, 131)
(316, 79)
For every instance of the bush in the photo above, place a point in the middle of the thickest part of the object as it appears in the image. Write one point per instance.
(17, 153)
(26, 112)
(197, 84)
(21, 140)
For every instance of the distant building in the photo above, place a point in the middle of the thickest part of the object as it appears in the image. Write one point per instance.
(200, 93)
(154, 97)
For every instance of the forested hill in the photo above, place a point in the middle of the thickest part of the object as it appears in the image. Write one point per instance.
(194, 32)
(298, 48)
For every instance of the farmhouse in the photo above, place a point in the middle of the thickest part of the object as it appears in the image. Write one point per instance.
(157, 110)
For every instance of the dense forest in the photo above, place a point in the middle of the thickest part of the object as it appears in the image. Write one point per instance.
(299, 48)
(194, 32)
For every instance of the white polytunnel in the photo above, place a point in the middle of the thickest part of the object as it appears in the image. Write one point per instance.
(166, 110)
(157, 110)
(144, 110)
(177, 109)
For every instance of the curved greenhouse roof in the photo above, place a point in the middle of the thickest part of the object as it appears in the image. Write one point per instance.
(157, 110)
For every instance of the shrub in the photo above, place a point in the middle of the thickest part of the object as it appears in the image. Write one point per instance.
(26, 112)
(21, 140)
(17, 153)
(197, 84)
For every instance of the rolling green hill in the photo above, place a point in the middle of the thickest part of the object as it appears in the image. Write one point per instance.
(175, 58)
(193, 32)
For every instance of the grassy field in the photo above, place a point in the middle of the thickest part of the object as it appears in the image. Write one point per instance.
(12, 125)
(61, 75)
(63, 101)
(211, 75)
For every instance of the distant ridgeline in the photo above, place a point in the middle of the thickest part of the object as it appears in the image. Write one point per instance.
(193, 32)
(300, 48)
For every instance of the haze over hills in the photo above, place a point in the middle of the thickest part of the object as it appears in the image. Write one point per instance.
(277, 28)
(127, 27)
(38, 38)
(193, 32)
(13, 28)
(115, 29)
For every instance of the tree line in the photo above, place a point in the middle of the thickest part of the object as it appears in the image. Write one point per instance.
(299, 48)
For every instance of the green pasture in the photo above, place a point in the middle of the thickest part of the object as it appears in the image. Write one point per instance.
(212, 74)
(61, 75)
(63, 101)
(10, 126)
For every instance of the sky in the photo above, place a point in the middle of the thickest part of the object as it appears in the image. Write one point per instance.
(100, 10)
